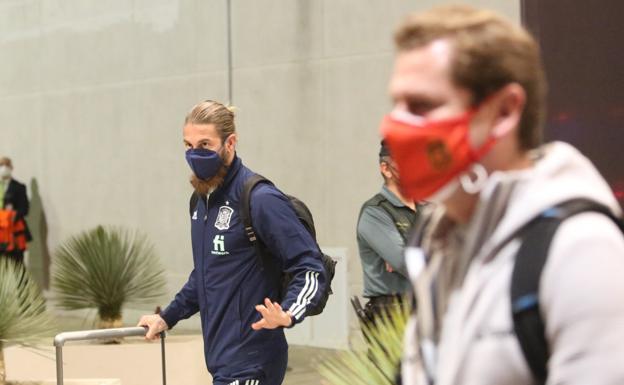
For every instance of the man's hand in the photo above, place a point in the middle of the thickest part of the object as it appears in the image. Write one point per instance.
(272, 316)
(389, 268)
(155, 325)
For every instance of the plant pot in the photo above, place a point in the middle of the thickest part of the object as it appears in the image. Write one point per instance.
(2, 367)
(110, 323)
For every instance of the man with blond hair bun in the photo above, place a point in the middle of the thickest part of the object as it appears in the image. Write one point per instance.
(518, 273)
(233, 291)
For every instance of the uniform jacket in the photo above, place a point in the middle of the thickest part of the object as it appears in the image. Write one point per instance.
(464, 325)
(379, 241)
(228, 280)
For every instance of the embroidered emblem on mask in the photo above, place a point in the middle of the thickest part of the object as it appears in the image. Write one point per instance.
(438, 155)
(224, 217)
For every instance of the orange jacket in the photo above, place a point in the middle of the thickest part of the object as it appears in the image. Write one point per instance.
(12, 232)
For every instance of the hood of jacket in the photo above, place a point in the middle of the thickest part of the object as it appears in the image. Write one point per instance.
(560, 173)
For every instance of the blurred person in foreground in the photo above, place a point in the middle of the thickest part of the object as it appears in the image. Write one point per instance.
(469, 102)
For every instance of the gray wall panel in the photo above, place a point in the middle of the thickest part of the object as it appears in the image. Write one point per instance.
(93, 94)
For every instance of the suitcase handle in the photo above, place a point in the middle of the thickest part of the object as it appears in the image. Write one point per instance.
(83, 335)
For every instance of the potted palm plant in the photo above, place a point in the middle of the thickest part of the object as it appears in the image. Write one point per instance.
(378, 364)
(23, 318)
(106, 268)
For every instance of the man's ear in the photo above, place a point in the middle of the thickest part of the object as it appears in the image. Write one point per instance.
(230, 142)
(509, 105)
(384, 168)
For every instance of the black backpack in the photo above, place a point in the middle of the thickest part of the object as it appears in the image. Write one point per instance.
(266, 259)
(536, 237)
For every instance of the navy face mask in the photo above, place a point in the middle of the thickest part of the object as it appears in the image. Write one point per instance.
(204, 163)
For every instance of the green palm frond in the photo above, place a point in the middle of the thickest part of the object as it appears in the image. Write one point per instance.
(23, 318)
(106, 268)
(376, 365)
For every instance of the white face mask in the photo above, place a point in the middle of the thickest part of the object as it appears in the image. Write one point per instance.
(5, 172)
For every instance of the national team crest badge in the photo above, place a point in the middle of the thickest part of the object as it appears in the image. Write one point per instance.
(223, 219)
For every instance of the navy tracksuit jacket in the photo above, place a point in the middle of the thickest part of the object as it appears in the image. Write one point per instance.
(228, 281)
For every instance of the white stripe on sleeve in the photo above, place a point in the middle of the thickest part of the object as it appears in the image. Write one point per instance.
(300, 310)
(299, 302)
(308, 298)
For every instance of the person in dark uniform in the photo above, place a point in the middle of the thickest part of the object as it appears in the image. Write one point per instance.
(242, 323)
(383, 227)
(13, 197)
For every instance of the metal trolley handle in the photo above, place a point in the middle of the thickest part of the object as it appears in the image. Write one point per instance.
(84, 335)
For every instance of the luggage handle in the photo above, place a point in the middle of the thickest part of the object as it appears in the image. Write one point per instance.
(83, 335)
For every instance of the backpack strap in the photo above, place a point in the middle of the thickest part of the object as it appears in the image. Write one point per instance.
(402, 222)
(245, 214)
(537, 237)
(399, 218)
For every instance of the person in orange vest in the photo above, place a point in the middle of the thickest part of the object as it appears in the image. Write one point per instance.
(13, 197)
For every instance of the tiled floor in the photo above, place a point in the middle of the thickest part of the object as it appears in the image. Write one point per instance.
(303, 363)
(136, 362)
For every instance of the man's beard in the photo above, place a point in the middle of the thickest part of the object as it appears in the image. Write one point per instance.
(205, 187)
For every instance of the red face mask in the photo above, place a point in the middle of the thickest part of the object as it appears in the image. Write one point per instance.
(430, 154)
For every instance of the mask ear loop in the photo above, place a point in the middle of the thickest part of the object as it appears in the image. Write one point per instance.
(474, 186)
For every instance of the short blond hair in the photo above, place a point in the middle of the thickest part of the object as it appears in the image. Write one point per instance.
(211, 112)
(489, 52)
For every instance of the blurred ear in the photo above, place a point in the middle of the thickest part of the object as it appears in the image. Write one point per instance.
(499, 115)
(508, 107)
(384, 168)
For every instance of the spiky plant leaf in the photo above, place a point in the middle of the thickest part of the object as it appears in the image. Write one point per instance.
(23, 318)
(106, 268)
(376, 365)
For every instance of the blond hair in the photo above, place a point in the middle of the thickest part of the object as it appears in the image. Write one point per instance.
(211, 112)
(489, 52)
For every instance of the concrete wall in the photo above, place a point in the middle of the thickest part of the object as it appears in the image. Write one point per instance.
(93, 93)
